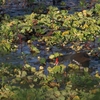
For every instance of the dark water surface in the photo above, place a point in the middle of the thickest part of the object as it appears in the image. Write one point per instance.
(19, 7)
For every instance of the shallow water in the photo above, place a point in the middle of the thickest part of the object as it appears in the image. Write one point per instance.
(19, 8)
(24, 56)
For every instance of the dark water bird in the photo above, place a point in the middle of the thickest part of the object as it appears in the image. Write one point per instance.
(81, 59)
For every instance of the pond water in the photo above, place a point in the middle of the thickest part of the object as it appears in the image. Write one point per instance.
(18, 7)
(25, 56)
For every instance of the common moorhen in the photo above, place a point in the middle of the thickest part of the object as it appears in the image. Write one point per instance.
(81, 59)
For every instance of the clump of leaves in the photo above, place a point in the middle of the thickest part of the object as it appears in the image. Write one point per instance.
(82, 80)
(97, 9)
(5, 47)
(29, 94)
(34, 49)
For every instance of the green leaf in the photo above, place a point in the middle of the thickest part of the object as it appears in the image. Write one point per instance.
(64, 92)
(27, 66)
(34, 49)
(57, 54)
(56, 69)
(42, 60)
(57, 93)
(24, 73)
(61, 98)
(52, 56)
(18, 79)
(33, 69)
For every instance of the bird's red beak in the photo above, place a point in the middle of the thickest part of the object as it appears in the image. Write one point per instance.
(56, 61)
